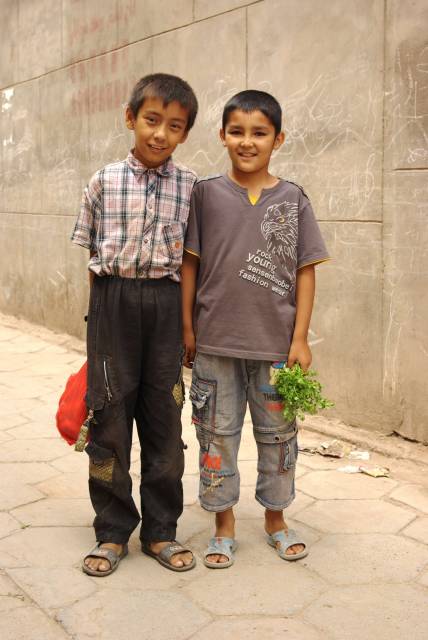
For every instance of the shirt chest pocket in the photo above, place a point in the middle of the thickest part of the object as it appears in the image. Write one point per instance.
(171, 243)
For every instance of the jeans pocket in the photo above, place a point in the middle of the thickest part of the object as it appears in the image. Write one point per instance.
(288, 455)
(275, 435)
(203, 395)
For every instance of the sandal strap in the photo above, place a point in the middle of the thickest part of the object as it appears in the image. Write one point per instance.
(106, 554)
(287, 540)
(171, 550)
(220, 545)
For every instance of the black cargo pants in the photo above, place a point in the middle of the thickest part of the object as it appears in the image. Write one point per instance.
(134, 372)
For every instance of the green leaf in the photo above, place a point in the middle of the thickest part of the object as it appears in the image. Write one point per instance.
(300, 391)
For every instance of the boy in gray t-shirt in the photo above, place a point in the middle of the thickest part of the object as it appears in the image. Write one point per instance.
(248, 283)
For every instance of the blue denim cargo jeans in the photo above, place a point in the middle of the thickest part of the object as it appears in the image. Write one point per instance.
(221, 388)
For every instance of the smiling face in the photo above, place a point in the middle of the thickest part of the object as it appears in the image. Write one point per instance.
(250, 139)
(158, 129)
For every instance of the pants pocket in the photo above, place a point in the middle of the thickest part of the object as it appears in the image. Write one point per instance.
(288, 456)
(204, 437)
(203, 395)
(102, 382)
(102, 463)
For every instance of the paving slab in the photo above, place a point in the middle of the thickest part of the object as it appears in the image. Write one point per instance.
(418, 529)
(8, 524)
(355, 516)
(72, 461)
(35, 450)
(12, 420)
(117, 615)
(368, 611)
(253, 628)
(46, 547)
(7, 586)
(331, 485)
(26, 472)
(67, 485)
(53, 588)
(414, 495)
(367, 558)
(56, 512)
(255, 590)
(34, 430)
(29, 622)
(14, 495)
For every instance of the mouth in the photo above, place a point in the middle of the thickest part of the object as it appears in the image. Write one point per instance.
(246, 154)
(156, 148)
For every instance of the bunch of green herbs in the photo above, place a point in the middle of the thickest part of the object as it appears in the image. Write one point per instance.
(300, 391)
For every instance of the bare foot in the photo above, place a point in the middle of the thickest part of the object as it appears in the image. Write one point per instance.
(274, 522)
(225, 528)
(178, 559)
(102, 564)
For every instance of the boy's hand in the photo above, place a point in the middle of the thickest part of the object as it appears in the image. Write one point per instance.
(189, 347)
(301, 353)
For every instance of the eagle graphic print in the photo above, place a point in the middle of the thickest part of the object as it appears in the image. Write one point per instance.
(279, 228)
(274, 265)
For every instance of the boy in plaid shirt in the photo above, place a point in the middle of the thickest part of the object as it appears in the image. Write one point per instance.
(133, 219)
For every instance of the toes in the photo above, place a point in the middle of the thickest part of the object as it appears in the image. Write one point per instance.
(213, 558)
(188, 559)
(296, 548)
(177, 562)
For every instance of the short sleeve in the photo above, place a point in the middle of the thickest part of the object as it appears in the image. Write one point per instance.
(192, 242)
(311, 248)
(84, 232)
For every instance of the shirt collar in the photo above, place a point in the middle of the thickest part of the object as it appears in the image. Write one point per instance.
(165, 169)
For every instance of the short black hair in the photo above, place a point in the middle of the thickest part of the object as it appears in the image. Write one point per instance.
(169, 89)
(253, 100)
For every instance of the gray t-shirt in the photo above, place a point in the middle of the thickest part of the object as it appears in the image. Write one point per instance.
(249, 256)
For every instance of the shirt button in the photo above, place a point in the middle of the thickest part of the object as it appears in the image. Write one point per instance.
(145, 241)
(177, 245)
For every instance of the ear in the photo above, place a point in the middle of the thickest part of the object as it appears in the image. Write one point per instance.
(222, 137)
(129, 118)
(279, 140)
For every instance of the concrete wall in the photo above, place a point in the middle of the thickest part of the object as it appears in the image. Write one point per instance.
(352, 78)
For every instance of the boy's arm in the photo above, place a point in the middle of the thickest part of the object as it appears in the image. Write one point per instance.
(189, 273)
(305, 292)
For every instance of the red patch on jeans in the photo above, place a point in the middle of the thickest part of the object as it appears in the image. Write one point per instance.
(211, 462)
(274, 406)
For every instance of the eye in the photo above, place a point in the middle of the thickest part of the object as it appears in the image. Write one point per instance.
(150, 119)
(176, 127)
(260, 133)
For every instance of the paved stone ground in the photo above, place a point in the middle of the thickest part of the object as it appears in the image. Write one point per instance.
(366, 577)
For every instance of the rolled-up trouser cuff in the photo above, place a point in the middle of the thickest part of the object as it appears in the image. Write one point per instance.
(218, 508)
(275, 507)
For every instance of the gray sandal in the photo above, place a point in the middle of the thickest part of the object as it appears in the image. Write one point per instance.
(220, 546)
(287, 539)
(105, 554)
(164, 556)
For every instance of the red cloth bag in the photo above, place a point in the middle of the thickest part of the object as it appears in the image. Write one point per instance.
(72, 409)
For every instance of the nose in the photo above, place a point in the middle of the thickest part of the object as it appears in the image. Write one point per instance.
(246, 141)
(160, 132)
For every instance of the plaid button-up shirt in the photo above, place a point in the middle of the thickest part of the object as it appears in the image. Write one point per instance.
(134, 219)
